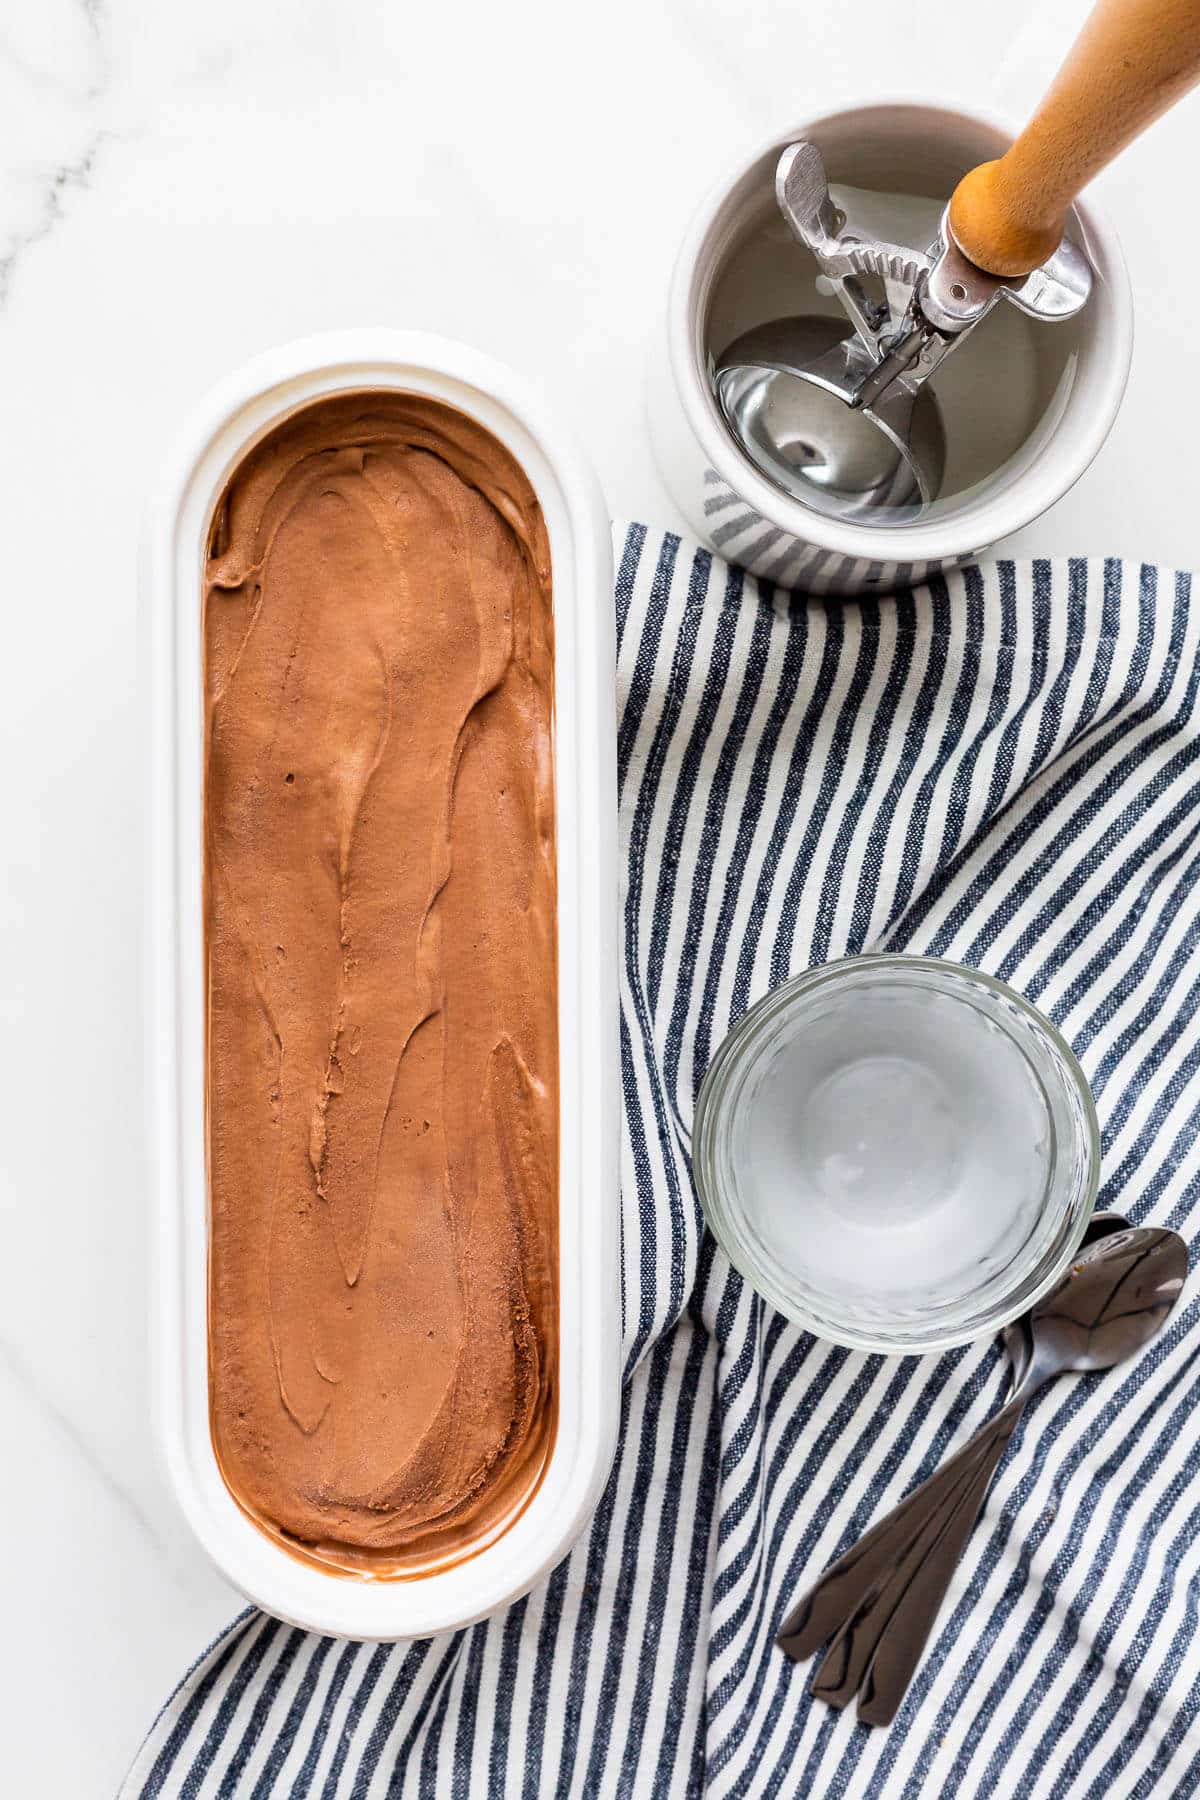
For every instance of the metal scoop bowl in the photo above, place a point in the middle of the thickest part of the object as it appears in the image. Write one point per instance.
(787, 390)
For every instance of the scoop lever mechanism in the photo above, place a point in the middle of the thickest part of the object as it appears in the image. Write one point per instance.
(933, 299)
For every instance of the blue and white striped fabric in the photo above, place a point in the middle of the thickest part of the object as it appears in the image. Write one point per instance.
(1002, 767)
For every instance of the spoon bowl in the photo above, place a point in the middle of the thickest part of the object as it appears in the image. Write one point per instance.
(1112, 1300)
(1016, 1339)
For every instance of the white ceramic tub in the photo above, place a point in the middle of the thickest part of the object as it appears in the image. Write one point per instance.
(234, 417)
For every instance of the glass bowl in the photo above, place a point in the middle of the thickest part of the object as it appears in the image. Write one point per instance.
(899, 1153)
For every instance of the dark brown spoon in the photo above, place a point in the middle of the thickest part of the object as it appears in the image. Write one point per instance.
(919, 1521)
(877, 1603)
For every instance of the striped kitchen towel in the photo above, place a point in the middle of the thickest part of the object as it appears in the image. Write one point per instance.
(1002, 767)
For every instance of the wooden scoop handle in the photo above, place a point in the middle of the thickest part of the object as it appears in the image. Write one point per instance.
(1132, 60)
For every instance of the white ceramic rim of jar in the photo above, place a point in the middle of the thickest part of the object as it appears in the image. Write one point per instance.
(1030, 1286)
(1073, 445)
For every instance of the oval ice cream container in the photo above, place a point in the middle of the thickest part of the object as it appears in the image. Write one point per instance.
(236, 416)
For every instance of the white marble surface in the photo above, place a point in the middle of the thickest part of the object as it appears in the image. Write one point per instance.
(181, 186)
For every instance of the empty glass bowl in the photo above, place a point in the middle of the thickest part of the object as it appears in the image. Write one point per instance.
(898, 1152)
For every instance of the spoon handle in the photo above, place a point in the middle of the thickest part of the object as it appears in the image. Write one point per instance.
(896, 1575)
(867, 1563)
(902, 1643)
(857, 1645)
(1132, 60)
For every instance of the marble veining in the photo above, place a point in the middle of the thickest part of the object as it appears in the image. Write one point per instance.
(19, 1371)
(55, 85)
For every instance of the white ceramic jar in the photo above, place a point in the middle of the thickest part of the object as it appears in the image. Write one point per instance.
(906, 147)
